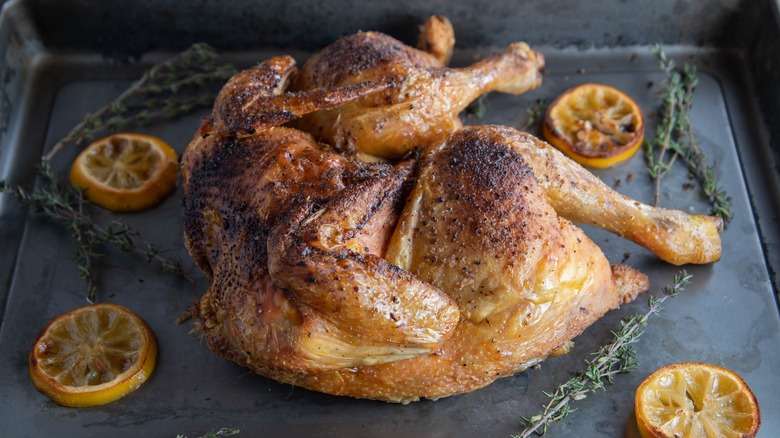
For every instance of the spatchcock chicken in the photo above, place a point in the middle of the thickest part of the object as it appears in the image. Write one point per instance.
(376, 248)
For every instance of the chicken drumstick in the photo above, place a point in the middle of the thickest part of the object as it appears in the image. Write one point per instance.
(423, 100)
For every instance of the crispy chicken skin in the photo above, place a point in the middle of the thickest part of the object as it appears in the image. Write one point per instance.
(423, 100)
(422, 278)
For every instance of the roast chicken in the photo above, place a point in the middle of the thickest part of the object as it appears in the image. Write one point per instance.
(446, 264)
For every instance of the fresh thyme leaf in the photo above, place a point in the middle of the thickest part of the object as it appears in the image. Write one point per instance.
(617, 357)
(675, 137)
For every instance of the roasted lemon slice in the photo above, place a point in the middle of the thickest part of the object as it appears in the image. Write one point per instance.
(694, 400)
(595, 125)
(126, 172)
(93, 355)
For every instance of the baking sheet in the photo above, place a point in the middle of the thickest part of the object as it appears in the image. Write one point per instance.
(728, 317)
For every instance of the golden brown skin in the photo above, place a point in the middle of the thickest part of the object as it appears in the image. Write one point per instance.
(279, 222)
(422, 103)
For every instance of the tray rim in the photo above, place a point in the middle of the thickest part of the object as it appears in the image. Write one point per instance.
(49, 54)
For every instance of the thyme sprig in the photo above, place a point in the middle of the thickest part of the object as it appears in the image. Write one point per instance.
(167, 90)
(619, 356)
(477, 108)
(535, 114)
(65, 205)
(675, 137)
(161, 93)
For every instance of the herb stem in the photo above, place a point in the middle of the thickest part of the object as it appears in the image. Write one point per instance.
(83, 251)
(154, 111)
(664, 140)
(176, 85)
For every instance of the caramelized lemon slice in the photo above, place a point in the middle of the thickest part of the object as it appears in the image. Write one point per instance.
(696, 400)
(595, 125)
(93, 355)
(126, 172)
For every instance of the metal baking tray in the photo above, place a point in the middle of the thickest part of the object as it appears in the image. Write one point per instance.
(60, 59)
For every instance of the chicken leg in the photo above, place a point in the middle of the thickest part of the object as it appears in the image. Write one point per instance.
(423, 101)
(580, 196)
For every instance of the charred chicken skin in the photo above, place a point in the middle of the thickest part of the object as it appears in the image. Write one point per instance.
(432, 276)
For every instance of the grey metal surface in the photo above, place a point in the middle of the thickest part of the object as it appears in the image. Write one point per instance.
(728, 317)
(309, 24)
